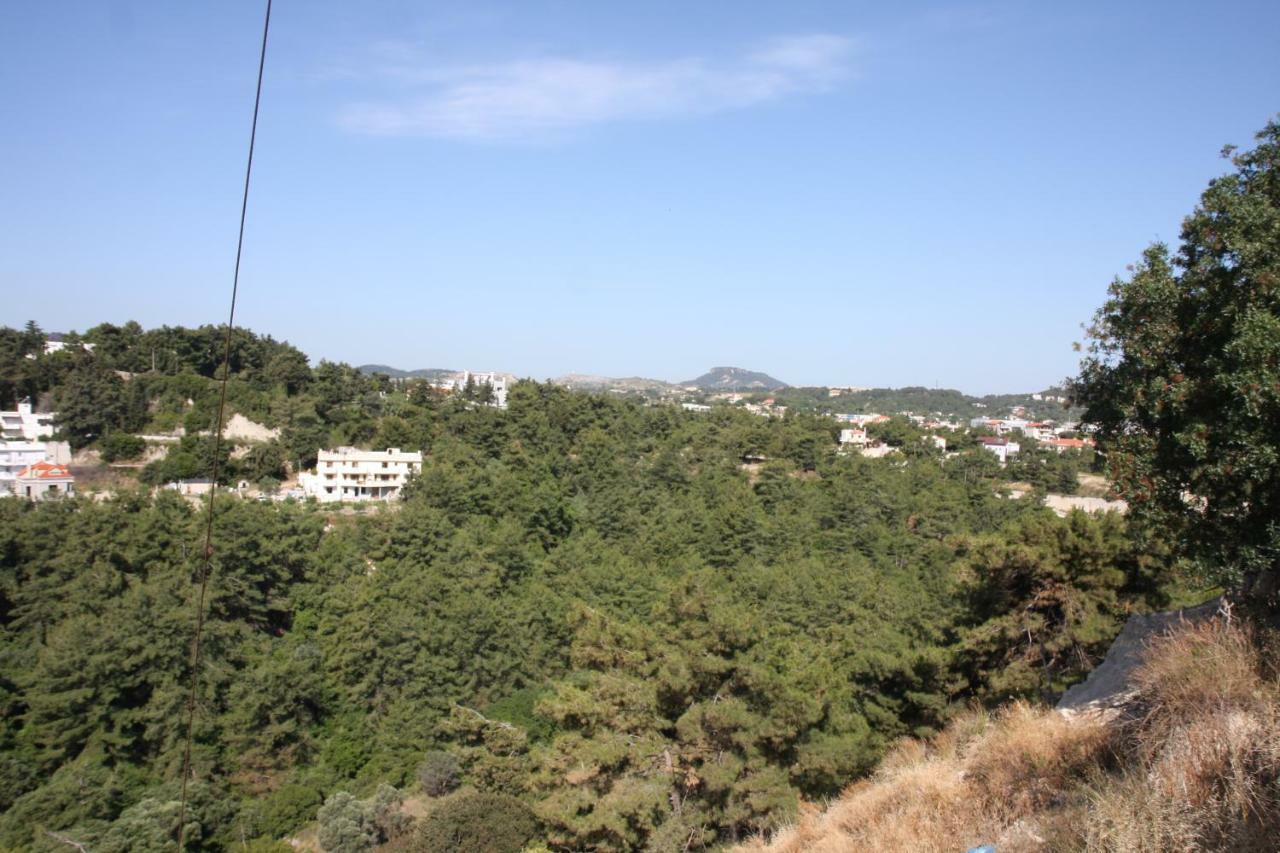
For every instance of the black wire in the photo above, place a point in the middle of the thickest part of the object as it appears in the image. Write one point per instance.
(207, 554)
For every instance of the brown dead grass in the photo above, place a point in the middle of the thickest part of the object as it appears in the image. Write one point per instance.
(1195, 766)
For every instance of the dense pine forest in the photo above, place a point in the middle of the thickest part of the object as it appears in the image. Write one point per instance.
(592, 623)
(594, 609)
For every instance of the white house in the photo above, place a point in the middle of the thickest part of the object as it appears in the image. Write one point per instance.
(350, 474)
(44, 480)
(192, 488)
(56, 342)
(25, 424)
(1003, 448)
(17, 455)
(853, 438)
(496, 382)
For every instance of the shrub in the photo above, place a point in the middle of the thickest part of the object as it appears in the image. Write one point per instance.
(388, 818)
(477, 822)
(286, 809)
(346, 825)
(121, 446)
(439, 773)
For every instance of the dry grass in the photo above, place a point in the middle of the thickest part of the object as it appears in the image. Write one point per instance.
(1196, 767)
(974, 784)
(1205, 769)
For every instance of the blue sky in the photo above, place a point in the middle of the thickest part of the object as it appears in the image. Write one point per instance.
(836, 193)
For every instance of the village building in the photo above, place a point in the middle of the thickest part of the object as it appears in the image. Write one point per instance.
(192, 488)
(862, 420)
(496, 381)
(856, 438)
(25, 424)
(44, 481)
(350, 474)
(1003, 448)
(15, 456)
(1062, 445)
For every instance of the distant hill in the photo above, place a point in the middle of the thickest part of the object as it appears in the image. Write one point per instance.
(397, 373)
(736, 379)
(639, 384)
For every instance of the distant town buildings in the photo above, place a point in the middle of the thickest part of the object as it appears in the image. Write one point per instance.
(350, 474)
(862, 420)
(44, 481)
(1062, 445)
(26, 424)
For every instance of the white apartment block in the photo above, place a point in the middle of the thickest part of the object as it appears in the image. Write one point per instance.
(25, 424)
(17, 456)
(350, 474)
(496, 382)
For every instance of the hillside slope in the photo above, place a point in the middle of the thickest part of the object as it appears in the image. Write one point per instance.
(1191, 764)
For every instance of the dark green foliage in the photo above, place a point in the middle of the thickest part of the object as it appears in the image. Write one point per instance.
(92, 401)
(284, 810)
(121, 447)
(1182, 378)
(1045, 598)
(615, 613)
(476, 822)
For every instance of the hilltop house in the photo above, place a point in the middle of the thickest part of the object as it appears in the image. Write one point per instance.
(350, 474)
(43, 481)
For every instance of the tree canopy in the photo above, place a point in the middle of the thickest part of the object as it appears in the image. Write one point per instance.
(1182, 377)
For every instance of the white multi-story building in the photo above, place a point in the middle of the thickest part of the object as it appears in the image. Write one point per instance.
(16, 456)
(25, 424)
(350, 474)
(496, 382)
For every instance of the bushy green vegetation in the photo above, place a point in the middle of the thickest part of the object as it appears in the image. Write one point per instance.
(590, 604)
(946, 402)
(1182, 377)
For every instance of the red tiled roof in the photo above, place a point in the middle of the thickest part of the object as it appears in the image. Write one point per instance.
(1066, 442)
(45, 471)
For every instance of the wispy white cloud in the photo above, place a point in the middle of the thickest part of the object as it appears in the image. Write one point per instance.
(531, 99)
